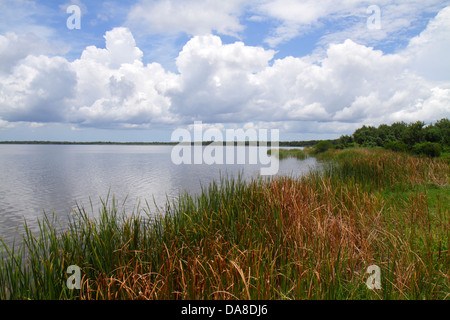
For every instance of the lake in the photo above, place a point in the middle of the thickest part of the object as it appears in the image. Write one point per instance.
(55, 178)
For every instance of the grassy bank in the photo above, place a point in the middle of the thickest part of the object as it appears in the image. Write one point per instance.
(307, 238)
(288, 153)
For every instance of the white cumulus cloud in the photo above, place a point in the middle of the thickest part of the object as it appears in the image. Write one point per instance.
(116, 88)
(39, 89)
(225, 84)
(193, 17)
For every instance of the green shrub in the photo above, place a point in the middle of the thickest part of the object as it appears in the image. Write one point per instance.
(396, 146)
(323, 146)
(430, 149)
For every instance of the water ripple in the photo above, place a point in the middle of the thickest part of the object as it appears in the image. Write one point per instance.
(54, 178)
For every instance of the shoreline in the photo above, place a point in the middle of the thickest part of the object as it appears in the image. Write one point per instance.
(246, 143)
(312, 237)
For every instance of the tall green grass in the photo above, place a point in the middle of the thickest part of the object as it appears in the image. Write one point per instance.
(283, 238)
(288, 153)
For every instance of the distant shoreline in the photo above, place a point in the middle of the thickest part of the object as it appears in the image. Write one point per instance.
(87, 143)
(281, 143)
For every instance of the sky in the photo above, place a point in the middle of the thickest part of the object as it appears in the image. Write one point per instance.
(137, 70)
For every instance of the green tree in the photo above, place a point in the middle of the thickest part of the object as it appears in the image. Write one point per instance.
(345, 141)
(444, 128)
(432, 134)
(385, 134)
(366, 136)
(414, 134)
(323, 146)
(398, 129)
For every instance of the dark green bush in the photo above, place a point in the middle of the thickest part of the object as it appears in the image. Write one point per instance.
(430, 149)
(323, 146)
(396, 146)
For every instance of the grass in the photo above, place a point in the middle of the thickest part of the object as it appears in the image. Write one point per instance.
(288, 153)
(306, 238)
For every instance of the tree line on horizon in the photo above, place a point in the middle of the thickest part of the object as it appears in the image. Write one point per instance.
(416, 138)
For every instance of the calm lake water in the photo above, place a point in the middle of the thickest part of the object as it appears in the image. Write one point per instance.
(55, 178)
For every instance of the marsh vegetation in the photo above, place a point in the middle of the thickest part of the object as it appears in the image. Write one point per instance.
(305, 238)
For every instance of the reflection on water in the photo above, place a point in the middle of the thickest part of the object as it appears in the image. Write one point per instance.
(55, 178)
